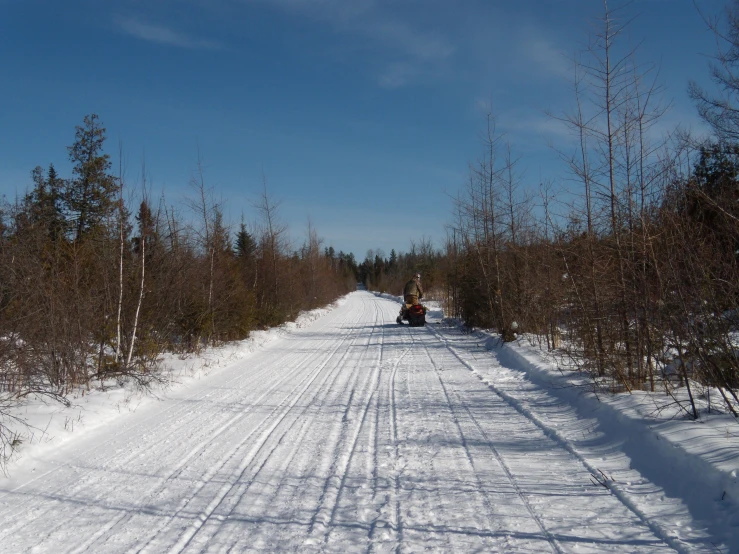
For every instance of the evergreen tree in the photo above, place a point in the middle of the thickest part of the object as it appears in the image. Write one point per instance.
(41, 207)
(31, 213)
(245, 244)
(90, 195)
(393, 261)
(56, 222)
(711, 194)
(147, 229)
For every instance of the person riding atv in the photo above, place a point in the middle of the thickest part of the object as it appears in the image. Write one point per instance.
(412, 310)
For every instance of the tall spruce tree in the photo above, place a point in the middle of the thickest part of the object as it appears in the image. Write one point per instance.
(246, 246)
(90, 195)
(56, 222)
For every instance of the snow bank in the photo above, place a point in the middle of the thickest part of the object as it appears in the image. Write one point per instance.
(709, 446)
(696, 461)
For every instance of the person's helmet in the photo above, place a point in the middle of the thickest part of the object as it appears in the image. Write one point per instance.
(417, 276)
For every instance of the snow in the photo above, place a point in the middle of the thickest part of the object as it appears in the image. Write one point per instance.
(344, 432)
(43, 424)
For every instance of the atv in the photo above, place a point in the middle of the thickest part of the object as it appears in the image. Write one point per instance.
(414, 314)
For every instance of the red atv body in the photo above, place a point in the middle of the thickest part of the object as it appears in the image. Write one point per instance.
(415, 315)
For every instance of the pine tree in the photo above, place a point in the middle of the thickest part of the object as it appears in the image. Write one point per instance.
(90, 195)
(220, 235)
(42, 206)
(56, 222)
(245, 244)
(393, 262)
(147, 228)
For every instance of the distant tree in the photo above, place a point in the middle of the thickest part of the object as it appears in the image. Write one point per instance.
(56, 222)
(716, 177)
(246, 253)
(245, 245)
(393, 261)
(348, 264)
(330, 255)
(42, 206)
(146, 227)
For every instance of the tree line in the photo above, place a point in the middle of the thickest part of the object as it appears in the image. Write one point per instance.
(95, 286)
(630, 272)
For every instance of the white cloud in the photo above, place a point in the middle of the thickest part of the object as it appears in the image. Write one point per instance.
(544, 54)
(410, 42)
(164, 35)
(397, 75)
(527, 49)
(537, 124)
(332, 10)
(403, 51)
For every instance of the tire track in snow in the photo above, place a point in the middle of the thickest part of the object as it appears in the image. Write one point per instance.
(202, 518)
(208, 539)
(376, 376)
(87, 482)
(435, 386)
(372, 402)
(200, 448)
(212, 529)
(324, 466)
(377, 505)
(82, 490)
(130, 435)
(130, 455)
(370, 413)
(261, 441)
(396, 524)
(322, 393)
(411, 370)
(554, 434)
(555, 547)
(396, 451)
(343, 450)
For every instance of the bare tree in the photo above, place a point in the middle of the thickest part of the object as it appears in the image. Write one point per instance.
(617, 165)
(122, 244)
(720, 109)
(144, 226)
(272, 240)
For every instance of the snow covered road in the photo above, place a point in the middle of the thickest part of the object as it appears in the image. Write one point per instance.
(350, 435)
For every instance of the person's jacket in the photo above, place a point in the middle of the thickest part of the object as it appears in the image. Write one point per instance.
(413, 288)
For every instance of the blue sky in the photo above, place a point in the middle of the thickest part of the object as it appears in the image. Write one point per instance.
(361, 114)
